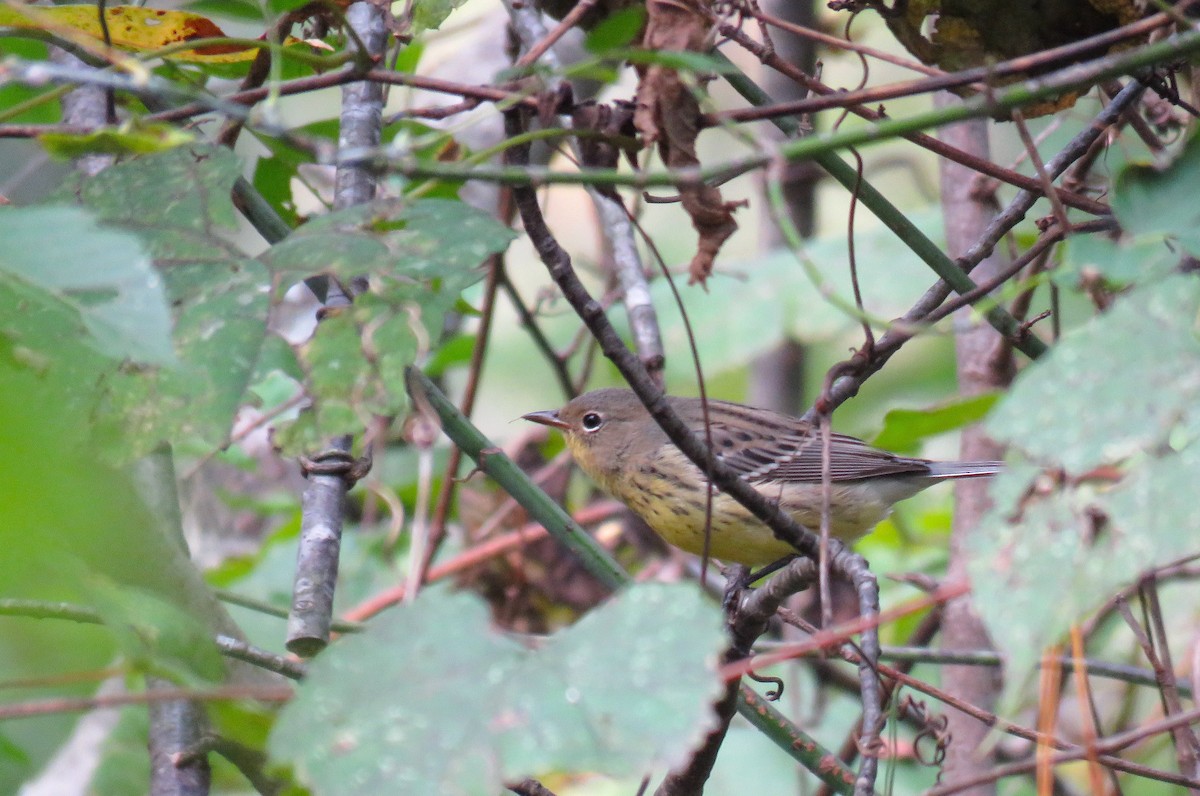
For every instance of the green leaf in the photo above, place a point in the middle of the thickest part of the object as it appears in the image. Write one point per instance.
(418, 257)
(1162, 200)
(1065, 552)
(1116, 264)
(273, 179)
(454, 352)
(1120, 391)
(432, 698)
(276, 358)
(341, 381)
(904, 429)
(12, 753)
(581, 717)
(430, 14)
(602, 73)
(179, 204)
(1030, 576)
(1133, 376)
(124, 766)
(425, 238)
(221, 326)
(60, 500)
(101, 278)
(677, 59)
(343, 254)
(616, 30)
(283, 6)
(13, 94)
(176, 200)
(1148, 509)
(247, 10)
(155, 636)
(406, 61)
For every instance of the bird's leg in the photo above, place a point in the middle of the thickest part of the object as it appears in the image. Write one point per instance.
(737, 580)
(744, 630)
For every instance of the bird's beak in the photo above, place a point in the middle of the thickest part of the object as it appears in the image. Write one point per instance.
(547, 417)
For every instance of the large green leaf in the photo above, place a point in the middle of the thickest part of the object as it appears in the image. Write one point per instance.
(124, 765)
(177, 200)
(93, 282)
(154, 636)
(617, 29)
(68, 515)
(1123, 392)
(1114, 264)
(1117, 387)
(1153, 199)
(178, 203)
(431, 700)
(413, 239)
(418, 256)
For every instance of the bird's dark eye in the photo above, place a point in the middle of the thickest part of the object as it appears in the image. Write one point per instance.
(592, 421)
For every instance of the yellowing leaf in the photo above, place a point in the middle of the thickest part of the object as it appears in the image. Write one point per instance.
(136, 29)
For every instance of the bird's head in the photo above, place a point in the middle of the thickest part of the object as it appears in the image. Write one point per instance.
(600, 428)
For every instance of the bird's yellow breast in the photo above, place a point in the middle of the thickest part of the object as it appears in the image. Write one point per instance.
(669, 493)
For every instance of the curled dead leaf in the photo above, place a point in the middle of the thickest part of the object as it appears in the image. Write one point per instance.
(668, 114)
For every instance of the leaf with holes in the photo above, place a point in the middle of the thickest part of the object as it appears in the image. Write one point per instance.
(432, 700)
(178, 204)
(1113, 410)
(418, 257)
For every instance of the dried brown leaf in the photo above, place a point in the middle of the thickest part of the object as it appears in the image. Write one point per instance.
(668, 114)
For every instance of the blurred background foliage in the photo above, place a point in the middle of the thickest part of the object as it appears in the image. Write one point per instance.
(141, 310)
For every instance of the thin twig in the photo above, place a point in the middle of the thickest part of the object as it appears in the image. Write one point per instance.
(539, 48)
(616, 222)
(847, 384)
(1064, 54)
(843, 44)
(495, 271)
(47, 707)
(1105, 746)
(1048, 189)
(1159, 655)
(994, 721)
(935, 145)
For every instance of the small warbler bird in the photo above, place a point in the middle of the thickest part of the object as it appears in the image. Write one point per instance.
(615, 441)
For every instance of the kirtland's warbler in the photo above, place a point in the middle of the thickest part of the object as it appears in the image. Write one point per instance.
(616, 442)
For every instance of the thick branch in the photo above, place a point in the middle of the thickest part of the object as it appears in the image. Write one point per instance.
(324, 501)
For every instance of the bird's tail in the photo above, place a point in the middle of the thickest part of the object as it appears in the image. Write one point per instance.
(964, 469)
